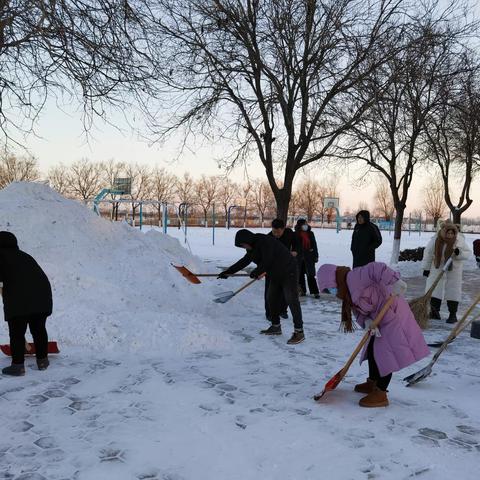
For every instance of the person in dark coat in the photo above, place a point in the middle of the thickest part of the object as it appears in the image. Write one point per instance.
(27, 300)
(307, 257)
(275, 260)
(476, 251)
(366, 239)
(287, 237)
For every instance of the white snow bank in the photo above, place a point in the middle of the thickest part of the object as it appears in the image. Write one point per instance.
(111, 283)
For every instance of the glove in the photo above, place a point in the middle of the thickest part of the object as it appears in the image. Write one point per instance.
(426, 273)
(224, 275)
(315, 260)
(375, 332)
(254, 274)
(456, 252)
(399, 288)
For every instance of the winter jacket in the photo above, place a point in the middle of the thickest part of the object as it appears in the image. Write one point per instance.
(306, 258)
(270, 255)
(476, 247)
(366, 238)
(288, 238)
(401, 342)
(26, 289)
(450, 286)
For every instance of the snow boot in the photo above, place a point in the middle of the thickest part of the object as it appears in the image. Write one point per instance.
(42, 363)
(317, 296)
(376, 398)
(366, 387)
(297, 337)
(15, 370)
(272, 330)
(452, 309)
(435, 304)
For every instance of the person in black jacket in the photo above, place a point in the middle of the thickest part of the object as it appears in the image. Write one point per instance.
(275, 260)
(365, 239)
(27, 300)
(287, 237)
(307, 257)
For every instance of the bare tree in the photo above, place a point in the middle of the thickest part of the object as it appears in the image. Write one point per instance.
(163, 188)
(227, 192)
(433, 200)
(309, 198)
(454, 135)
(278, 76)
(99, 53)
(383, 201)
(17, 169)
(206, 190)
(141, 187)
(85, 178)
(263, 198)
(58, 179)
(113, 170)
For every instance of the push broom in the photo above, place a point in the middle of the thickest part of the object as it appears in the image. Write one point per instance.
(338, 377)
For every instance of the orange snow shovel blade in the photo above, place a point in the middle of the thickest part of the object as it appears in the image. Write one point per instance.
(191, 277)
(30, 348)
(330, 385)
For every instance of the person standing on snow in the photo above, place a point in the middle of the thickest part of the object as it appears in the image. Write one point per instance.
(366, 238)
(287, 237)
(276, 261)
(448, 242)
(27, 300)
(307, 257)
(396, 343)
(476, 251)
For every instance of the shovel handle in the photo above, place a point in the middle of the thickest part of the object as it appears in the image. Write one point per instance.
(439, 276)
(248, 284)
(365, 338)
(216, 274)
(457, 329)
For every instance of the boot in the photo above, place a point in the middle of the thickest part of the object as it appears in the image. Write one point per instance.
(15, 370)
(452, 309)
(272, 330)
(376, 398)
(42, 363)
(297, 337)
(435, 304)
(366, 387)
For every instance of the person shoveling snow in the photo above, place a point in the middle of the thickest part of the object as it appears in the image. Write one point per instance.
(274, 259)
(396, 343)
(27, 300)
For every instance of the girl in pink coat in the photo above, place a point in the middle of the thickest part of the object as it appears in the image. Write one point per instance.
(399, 341)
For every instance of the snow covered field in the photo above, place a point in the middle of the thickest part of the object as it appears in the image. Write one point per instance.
(155, 381)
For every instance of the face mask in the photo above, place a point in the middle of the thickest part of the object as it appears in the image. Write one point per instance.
(304, 228)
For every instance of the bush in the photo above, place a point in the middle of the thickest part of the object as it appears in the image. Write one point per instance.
(411, 255)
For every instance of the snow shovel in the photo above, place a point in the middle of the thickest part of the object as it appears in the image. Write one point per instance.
(426, 371)
(420, 305)
(229, 295)
(193, 277)
(30, 348)
(338, 377)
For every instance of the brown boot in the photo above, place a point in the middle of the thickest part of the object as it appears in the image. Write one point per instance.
(366, 387)
(377, 398)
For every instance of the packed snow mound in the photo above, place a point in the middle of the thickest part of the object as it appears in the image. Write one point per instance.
(112, 284)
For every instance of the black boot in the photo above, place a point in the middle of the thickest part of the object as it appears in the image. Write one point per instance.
(272, 330)
(42, 363)
(15, 370)
(452, 309)
(435, 304)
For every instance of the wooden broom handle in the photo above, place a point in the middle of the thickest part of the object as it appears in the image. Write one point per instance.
(248, 284)
(374, 325)
(439, 276)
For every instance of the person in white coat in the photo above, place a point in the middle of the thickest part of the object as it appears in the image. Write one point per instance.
(448, 242)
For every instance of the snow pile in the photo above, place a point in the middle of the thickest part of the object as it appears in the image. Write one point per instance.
(111, 284)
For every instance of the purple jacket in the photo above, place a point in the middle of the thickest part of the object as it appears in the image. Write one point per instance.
(401, 342)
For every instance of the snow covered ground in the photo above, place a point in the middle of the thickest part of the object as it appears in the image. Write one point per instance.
(155, 381)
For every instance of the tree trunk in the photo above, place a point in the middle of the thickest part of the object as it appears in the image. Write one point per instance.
(205, 213)
(283, 198)
(456, 215)
(397, 235)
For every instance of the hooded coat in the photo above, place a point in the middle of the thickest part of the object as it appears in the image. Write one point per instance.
(26, 289)
(270, 255)
(401, 342)
(450, 286)
(366, 238)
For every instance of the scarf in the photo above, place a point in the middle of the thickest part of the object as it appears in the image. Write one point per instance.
(343, 294)
(305, 238)
(440, 243)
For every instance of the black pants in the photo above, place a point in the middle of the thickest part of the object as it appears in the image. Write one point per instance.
(373, 373)
(285, 290)
(17, 328)
(283, 302)
(307, 267)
